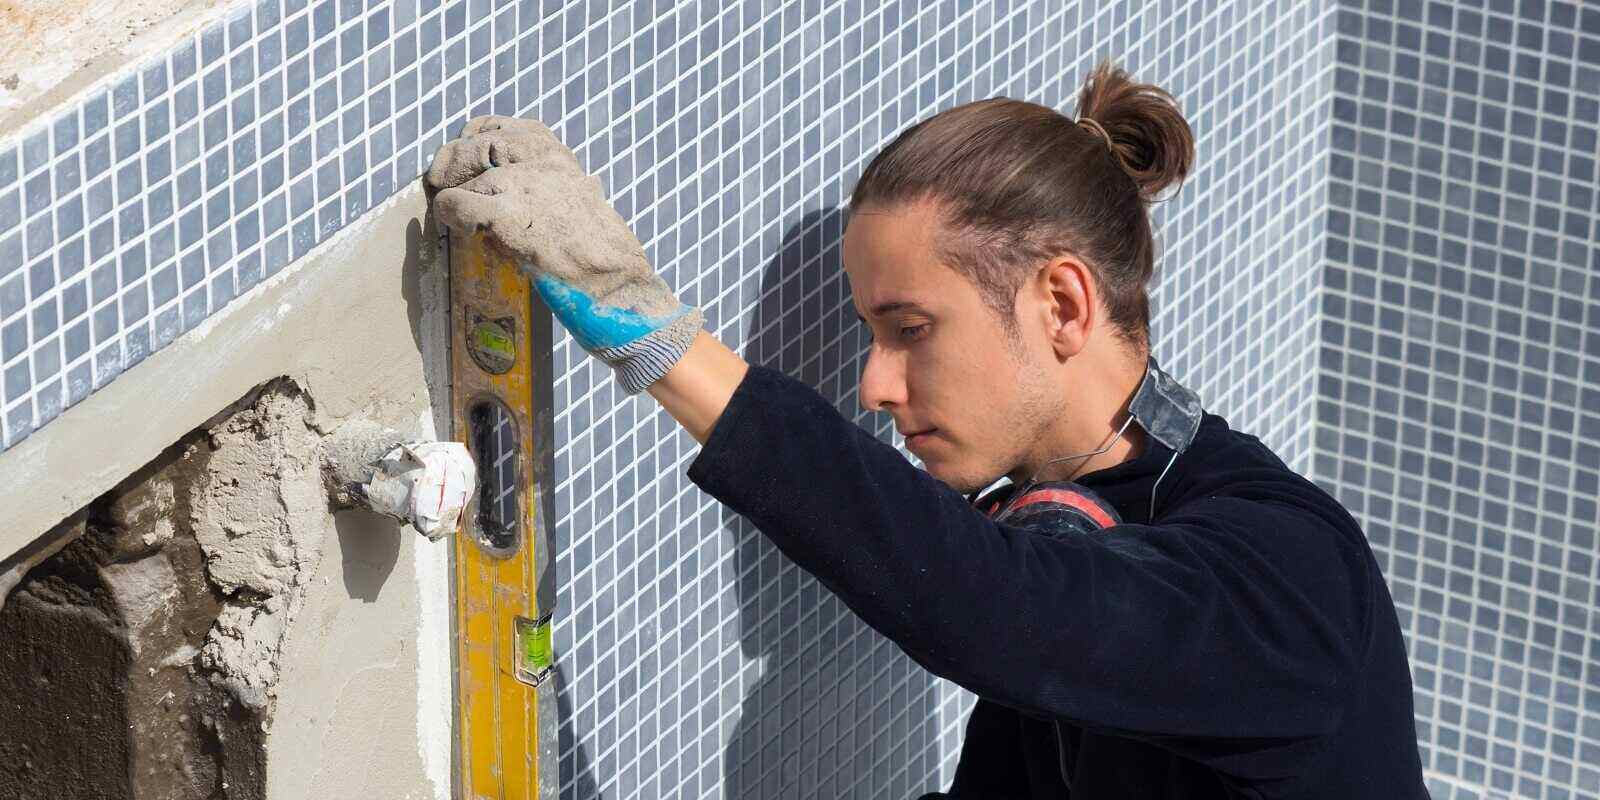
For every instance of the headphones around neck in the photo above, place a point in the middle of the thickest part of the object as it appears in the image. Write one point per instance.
(1054, 508)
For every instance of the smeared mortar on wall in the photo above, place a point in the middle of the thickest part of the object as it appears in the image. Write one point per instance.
(260, 513)
(153, 637)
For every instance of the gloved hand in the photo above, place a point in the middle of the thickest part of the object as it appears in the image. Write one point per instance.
(514, 180)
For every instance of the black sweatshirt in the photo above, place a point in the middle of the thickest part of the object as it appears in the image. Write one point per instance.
(1243, 646)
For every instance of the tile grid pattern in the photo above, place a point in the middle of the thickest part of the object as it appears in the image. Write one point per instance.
(1457, 412)
(153, 203)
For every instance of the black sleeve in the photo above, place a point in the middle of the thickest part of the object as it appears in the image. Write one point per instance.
(990, 767)
(1235, 618)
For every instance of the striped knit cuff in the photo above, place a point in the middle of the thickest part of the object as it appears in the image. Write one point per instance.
(643, 361)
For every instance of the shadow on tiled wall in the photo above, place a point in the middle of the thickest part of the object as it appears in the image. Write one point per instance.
(821, 688)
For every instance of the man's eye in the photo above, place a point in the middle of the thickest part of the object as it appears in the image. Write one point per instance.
(914, 332)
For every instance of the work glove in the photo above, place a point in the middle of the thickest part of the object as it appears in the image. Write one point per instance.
(513, 180)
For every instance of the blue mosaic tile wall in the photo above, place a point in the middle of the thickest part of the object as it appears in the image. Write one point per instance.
(1382, 266)
(1458, 411)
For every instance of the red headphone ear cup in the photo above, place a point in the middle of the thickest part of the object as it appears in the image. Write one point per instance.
(1059, 508)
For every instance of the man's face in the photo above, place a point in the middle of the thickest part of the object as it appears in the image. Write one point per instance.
(940, 362)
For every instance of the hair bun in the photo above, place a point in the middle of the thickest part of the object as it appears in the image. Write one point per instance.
(1142, 125)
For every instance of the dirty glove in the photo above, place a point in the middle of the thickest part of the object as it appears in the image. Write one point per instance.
(515, 181)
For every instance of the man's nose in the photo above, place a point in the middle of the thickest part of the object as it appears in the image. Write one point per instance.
(883, 380)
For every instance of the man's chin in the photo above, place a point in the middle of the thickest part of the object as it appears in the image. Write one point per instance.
(961, 482)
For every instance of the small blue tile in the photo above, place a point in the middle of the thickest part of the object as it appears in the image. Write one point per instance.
(44, 319)
(219, 209)
(248, 271)
(8, 167)
(219, 248)
(244, 152)
(163, 244)
(128, 182)
(136, 344)
(277, 255)
(300, 155)
(36, 150)
(10, 210)
(97, 157)
(76, 341)
(213, 45)
(194, 308)
(105, 323)
(353, 123)
(189, 186)
(378, 27)
(241, 26)
(96, 114)
(350, 45)
(215, 128)
(127, 139)
(245, 190)
(274, 214)
(164, 285)
(69, 174)
(13, 338)
(102, 238)
(186, 146)
(194, 269)
(41, 278)
(125, 97)
(157, 163)
(222, 288)
(158, 203)
(135, 304)
(327, 139)
(244, 111)
(80, 379)
(69, 257)
(297, 76)
(69, 217)
(74, 301)
(18, 381)
(327, 99)
(241, 70)
(40, 234)
(36, 192)
(154, 80)
(66, 131)
(328, 182)
(183, 62)
(267, 15)
(13, 295)
(130, 222)
(350, 9)
(167, 327)
(216, 168)
(156, 122)
(269, 93)
(214, 87)
(107, 364)
(323, 18)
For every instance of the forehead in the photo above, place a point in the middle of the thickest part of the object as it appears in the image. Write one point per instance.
(889, 255)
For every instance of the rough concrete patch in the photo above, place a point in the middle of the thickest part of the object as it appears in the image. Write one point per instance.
(260, 515)
(52, 48)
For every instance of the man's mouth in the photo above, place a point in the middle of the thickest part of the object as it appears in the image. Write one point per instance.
(918, 437)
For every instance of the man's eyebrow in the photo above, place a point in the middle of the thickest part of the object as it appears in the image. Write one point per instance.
(893, 305)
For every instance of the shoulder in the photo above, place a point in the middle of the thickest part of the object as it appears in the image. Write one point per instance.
(1277, 520)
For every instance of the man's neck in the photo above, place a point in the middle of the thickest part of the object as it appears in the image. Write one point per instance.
(1093, 422)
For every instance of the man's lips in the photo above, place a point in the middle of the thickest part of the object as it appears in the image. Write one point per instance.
(912, 436)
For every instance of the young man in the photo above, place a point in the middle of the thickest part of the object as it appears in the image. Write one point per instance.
(1232, 638)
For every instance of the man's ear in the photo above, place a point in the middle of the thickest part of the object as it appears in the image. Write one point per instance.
(1071, 294)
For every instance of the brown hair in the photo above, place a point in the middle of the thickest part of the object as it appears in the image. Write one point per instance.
(1017, 183)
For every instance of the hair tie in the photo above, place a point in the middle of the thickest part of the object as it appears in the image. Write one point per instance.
(1097, 129)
